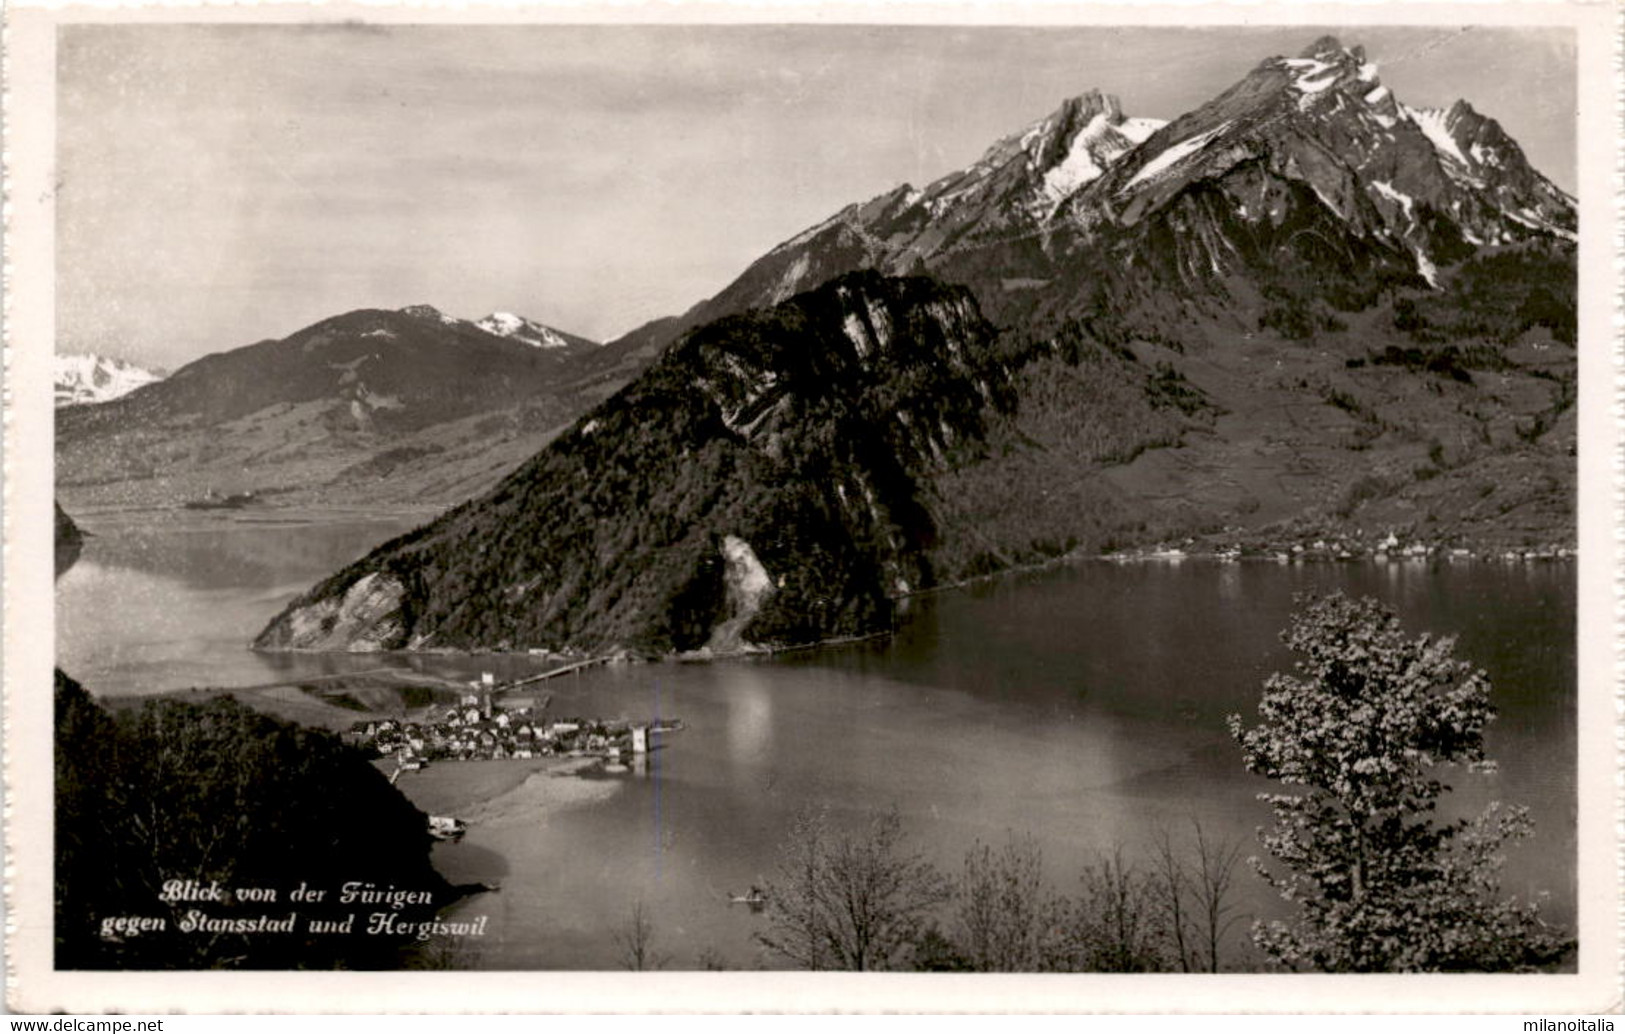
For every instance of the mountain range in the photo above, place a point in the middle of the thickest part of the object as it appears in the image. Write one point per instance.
(1308, 162)
(408, 404)
(1300, 311)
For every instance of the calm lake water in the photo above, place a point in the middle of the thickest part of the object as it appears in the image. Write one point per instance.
(1084, 705)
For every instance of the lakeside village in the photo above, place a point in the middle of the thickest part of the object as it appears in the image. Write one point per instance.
(480, 727)
(1230, 545)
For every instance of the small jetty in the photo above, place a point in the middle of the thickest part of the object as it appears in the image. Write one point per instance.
(554, 673)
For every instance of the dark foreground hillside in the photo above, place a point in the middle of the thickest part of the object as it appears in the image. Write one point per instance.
(228, 798)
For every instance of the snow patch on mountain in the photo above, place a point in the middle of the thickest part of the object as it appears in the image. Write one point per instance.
(429, 312)
(518, 328)
(1434, 123)
(1303, 68)
(1533, 220)
(1079, 165)
(1096, 147)
(1387, 190)
(1175, 154)
(1484, 155)
(1425, 266)
(502, 323)
(1316, 85)
(83, 379)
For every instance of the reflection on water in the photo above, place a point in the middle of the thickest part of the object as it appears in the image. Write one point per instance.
(750, 717)
(1084, 704)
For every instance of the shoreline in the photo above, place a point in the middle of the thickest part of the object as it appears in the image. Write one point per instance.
(182, 518)
(491, 797)
(1229, 545)
(471, 788)
(1318, 552)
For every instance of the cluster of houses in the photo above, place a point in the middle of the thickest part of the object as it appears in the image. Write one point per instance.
(474, 730)
(1351, 547)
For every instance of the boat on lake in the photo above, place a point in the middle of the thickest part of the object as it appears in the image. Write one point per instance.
(445, 827)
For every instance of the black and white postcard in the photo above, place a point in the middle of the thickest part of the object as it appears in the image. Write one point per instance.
(642, 508)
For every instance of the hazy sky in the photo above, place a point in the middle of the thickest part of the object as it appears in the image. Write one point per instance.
(223, 184)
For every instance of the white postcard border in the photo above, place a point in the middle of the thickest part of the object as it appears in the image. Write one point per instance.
(29, 615)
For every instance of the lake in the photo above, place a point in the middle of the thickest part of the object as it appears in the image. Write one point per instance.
(1083, 704)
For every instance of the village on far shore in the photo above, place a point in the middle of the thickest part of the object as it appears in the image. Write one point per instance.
(1233, 543)
(481, 727)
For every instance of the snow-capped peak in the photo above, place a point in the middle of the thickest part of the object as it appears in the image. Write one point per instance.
(1330, 50)
(1325, 65)
(1090, 152)
(429, 312)
(508, 325)
(94, 378)
(503, 323)
(1306, 71)
(1072, 147)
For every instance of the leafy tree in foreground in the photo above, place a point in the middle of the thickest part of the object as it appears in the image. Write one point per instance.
(1361, 732)
(845, 900)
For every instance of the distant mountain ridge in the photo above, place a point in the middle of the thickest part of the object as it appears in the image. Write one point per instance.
(405, 368)
(348, 399)
(85, 379)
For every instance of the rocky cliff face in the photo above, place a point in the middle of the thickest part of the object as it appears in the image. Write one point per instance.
(761, 483)
(365, 618)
